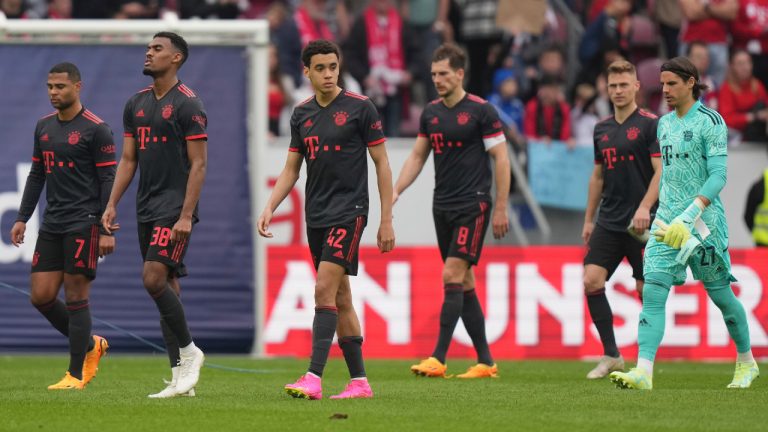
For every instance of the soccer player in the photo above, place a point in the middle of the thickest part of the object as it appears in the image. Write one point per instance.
(690, 229)
(165, 136)
(625, 185)
(332, 131)
(464, 133)
(74, 159)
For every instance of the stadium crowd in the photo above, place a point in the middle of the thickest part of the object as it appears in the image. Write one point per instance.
(539, 89)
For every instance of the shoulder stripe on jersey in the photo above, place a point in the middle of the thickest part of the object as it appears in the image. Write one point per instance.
(128, 135)
(377, 142)
(710, 115)
(305, 101)
(475, 98)
(717, 115)
(92, 117)
(436, 101)
(355, 95)
(493, 135)
(648, 114)
(186, 90)
(144, 90)
(48, 115)
(35, 159)
(196, 137)
(108, 163)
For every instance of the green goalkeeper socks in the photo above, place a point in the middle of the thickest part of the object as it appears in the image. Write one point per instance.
(650, 330)
(733, 313)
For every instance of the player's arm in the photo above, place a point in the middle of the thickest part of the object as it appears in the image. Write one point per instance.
(385, 238)
(594, 193)
(126, 169)
(285, 182)
(412, 166)
(103, 153)
(641, 221)
(197, 153)
(32, 190)
(503, 177)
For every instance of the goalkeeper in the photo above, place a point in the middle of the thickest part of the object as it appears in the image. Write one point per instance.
(690, 229)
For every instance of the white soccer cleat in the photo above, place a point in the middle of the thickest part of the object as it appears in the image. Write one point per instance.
(605, 366)
(189, 370)
(170, 391)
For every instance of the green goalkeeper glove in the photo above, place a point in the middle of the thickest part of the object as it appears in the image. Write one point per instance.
(679, 231)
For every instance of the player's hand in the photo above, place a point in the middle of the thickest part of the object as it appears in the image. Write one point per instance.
(641, 221)
(108, 218)
(586, 232)
(17, 233)
(395, 197)
(181, 229)
(263, 223)
(500, 222)
(106, 245)
(385, 238)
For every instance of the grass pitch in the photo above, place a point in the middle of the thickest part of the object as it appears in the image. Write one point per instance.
(529, 396)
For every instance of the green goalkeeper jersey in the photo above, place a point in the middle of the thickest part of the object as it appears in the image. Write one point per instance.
(685, 145)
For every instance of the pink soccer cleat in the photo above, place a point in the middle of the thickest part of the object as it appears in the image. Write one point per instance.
(356, 389)
(309, 386)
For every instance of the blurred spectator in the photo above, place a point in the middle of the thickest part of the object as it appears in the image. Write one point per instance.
(285, 35)
(605, 40)
(603, 105)
(756, 211)
(548, 116)
(505, 98)
(138, 9)
(698, 54)
(59, 9)
(481, 38)
(257, 8)
(750, 32)
(428, 21)
(584, 115)
(280, 93)
(94, 9)
(707, 21)
(376, 54)
(743, 100)
(317, 19)
(669, 16)
(222, 9)
(13, 8)
(550, 62)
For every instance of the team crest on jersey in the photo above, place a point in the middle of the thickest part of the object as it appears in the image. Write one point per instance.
(167, 111)
(340, 118)
(73, 138)
(633, 133)
(463, 118)
(688, 135)
(35, 258)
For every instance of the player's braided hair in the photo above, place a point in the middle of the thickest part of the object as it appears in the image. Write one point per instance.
(683, 68)
(68, 68)
(177, 41)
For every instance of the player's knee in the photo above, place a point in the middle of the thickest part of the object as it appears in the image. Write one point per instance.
(325, 294)
(41, 299)
(343, 302)
(154, 282)
(453, 275)
(592, 283)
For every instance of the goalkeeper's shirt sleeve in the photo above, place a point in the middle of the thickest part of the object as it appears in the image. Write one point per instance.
(717, 168)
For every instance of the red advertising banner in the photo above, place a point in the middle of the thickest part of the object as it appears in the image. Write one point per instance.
(532, 297)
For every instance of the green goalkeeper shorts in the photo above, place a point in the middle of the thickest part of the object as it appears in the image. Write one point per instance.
(708, 263)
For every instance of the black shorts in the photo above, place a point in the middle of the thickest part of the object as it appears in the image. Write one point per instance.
(75, 252)
(460, 233)
(607, 248)
(337, 244)
(156, 245)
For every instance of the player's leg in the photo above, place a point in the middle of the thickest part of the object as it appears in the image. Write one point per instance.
(650, 332)
(76, 290)
(736, 321)
(605, 252)
(350, 339)
(46, 278)
(474, 321)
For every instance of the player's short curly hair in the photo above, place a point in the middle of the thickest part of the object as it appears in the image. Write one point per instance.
(683, 68)
(68, 68)
(318, 46)
(456, 57)
(177, 41)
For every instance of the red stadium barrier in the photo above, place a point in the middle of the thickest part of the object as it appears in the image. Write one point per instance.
(533, 300)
